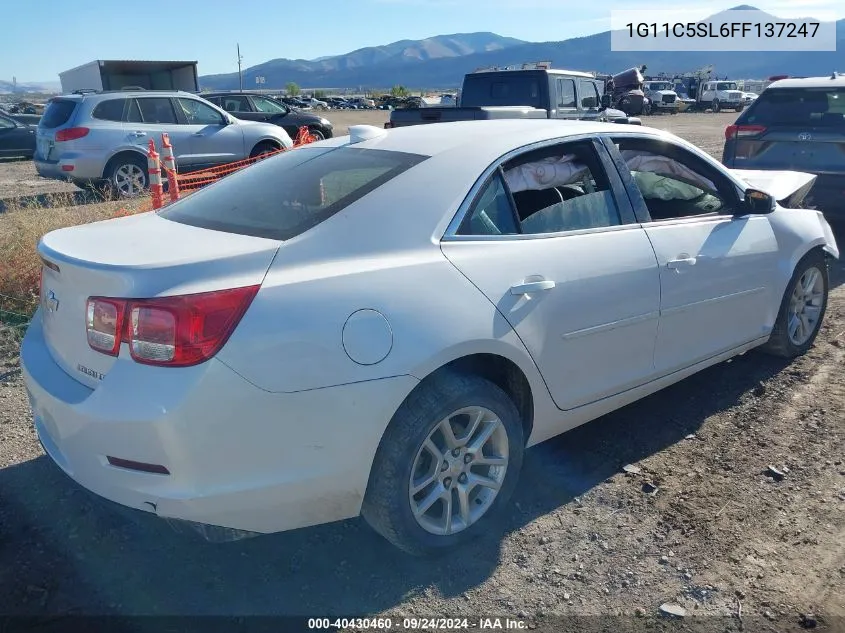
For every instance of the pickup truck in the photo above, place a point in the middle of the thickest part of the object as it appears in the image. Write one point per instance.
(524, 93)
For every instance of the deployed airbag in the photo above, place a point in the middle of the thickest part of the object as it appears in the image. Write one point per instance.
(665, 166)
(544, 174)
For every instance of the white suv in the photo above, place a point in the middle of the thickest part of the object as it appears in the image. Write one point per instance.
(103, 136)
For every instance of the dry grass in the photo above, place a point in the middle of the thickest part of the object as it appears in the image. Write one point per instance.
(20, 231)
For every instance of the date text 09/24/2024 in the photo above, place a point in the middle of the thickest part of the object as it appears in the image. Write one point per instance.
(418, 624)
(726, 30)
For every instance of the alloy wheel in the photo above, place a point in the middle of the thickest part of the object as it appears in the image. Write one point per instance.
(458, 471)
(129, 180)
(805, 306)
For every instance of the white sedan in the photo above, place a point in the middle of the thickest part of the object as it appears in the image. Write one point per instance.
(381, 324)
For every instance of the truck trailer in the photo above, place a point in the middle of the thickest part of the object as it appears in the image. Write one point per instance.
(110, 74)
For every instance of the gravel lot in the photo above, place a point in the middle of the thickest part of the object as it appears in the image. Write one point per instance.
(701, 525)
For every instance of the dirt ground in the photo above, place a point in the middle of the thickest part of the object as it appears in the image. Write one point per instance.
(701, 525)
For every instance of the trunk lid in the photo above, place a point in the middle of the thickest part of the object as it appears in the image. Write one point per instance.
(140, 256)
(798, 128)
(817, 149)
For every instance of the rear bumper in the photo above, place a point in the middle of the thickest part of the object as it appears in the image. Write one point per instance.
(70, 166)
(238, 457)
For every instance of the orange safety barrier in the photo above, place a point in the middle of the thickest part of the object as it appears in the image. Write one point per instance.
(154, 171)
(169, 162)
(196, 179)
(178, 183)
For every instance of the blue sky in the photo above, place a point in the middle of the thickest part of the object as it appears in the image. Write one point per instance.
(33, 49)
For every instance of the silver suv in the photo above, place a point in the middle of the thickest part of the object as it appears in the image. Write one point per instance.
(103, 136)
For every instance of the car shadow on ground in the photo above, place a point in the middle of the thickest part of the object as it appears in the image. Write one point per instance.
(62, 551)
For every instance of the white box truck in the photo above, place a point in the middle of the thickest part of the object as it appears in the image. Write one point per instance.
(110, 74)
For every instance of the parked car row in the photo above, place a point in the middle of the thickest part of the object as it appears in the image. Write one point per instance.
(327, 103)
(17, 139)
(101, 138)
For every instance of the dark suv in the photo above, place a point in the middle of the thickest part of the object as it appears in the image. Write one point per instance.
(796, 125)
(256, 107)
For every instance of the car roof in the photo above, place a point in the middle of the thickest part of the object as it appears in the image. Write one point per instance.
(482, 142)
(110, 94)
(220, 93)
(828, 81)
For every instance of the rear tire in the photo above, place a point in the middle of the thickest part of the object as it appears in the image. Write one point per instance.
(802, 308)
(127, 176)
(424, 494)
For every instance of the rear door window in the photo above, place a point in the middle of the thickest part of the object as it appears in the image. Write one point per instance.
(803, 107)
(134, 114)
(57, 113)
(566, 94)
(234, 104)
(284, 196)
(109, 110)
(157, 110)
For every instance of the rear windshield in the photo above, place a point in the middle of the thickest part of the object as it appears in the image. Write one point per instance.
(284, 196)
(57, 113)
(503, 89)
(816, 107)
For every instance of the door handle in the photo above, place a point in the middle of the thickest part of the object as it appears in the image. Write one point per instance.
(139, 133)
(197, 134)
(532, 286)
(681, 261)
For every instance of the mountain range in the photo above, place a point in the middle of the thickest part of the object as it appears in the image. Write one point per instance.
(442, 61)
(7, 87)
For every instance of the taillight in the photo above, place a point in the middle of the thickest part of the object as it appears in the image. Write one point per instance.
(172, 331)
(741, 131)
(71, 133)
(104, 320)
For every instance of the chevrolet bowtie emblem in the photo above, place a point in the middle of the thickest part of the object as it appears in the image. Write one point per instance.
(52, 302)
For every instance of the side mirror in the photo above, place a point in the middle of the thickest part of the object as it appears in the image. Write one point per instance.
(606, 101)
(757, 201)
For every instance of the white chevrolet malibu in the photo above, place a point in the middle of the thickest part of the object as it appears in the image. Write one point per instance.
(380, 324)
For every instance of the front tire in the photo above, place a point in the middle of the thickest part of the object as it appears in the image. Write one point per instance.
(449, 462)
(802, 308)
(316, 135)
(262, 150)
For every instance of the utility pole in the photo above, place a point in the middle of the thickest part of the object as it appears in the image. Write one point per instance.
(240, 74)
